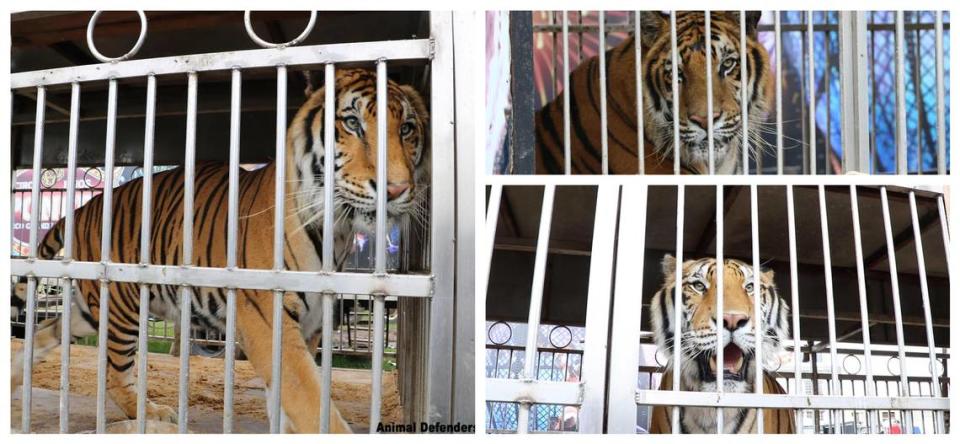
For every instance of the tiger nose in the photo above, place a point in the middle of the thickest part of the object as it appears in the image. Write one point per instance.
(394, 190)
(733, 321)
(701, 119)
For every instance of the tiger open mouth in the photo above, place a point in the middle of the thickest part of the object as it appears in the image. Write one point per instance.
(734, 364)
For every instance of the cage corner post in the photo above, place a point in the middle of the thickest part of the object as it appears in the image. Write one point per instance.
(522, 90)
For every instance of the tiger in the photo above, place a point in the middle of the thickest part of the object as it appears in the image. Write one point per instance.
(408, 174)
(699, 326)
(657, 75)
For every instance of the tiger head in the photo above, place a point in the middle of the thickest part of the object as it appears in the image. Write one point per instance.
(699, 322)
(356, 152)
(692, 86)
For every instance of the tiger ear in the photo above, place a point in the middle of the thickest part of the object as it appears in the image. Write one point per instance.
(419, 106)
(669, 265)
(652, 25)
(753, 20)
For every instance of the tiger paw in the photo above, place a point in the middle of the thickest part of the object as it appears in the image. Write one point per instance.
(160, 412)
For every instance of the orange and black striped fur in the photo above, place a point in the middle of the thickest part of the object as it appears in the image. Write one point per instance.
(354, 207)
(656, 80)
(699, 324)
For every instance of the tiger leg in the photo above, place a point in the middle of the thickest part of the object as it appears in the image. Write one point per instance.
(46, 338)
(300, 389)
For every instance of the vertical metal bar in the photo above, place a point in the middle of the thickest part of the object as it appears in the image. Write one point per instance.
(895, 288)
(831, 316)
(489, 239)
(941, 96)
(794, 300)
(566, 94)
(944, 229)
(105, 241)
(864, 312)
(145, 224)
(381, 243)
(276, 365)
(757, 300)
(536, 300)
(35, 198)
(638, 80)
(189, 171)
(233, 198)
(854, 91)
(677, 302)
(602, 54)
(721, 269)
(708, 49)
(744, 106)
(778, 44)
(675, 91)
(811, 95)
(68, 256)
(329, 164)
(901, 97)
(925, 293)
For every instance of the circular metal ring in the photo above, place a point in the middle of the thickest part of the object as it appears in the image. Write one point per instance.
(656, 358)
(256, 39)
(899, 367)
(855, 359)
(939, 368)
(136, 47)
(504, 341)
(92, 173)
(48, 178)
(559, 342)
(779, 364)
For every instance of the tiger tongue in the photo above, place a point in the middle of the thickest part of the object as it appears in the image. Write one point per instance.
(732, 357)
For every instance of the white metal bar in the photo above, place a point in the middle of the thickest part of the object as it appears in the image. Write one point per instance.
(925, 294)
(329, 164)
(26, 396)
(870, 388)
(624, 349)
(812, 97)
(595, 346)
(675, 91)
(380, 265)
(414, 49)
(770, 401)
(280, 181)
(638, 80)
(721, 269)
(778, 45)
(895, 288)
(485, 255)
(69, 226)
(831, 313)
(189, 171)
(145, 228)
(536, 298)
(105, 243)
(566, 93)
(677, 304)
(901, 96)
(794, 299)
(855, 91)
(944, 229)
(941, 96)
(708, 49)
(759, 328)
(233, 192)
(744, 105)
(376, 358)
(602, 54)
(546, 392)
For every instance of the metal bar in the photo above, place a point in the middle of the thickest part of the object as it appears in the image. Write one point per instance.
(901, 97)
(708, 49)
(489, 240)
(522, 391)
(870, 389)
(380, 265)
(941, 96)
(329, 172)
(855, 91)
(566, 95)
(594, 364)
(944, 229)
(233, 191)
(831, 314)
(145, 225)
(69, 227)
(925, 293)
(677, 301)
(638, 80)
(744, 108)
(757, 301)
(105, 241)
(770, 401)
(414, 49)
(794, 299)
(895, 288)
(778, 44)
(276, 366)
(376, 358)
(811, 96)
(536, 298)
(189, 171)
(721, 269)
(627, 308)
(602, 54)
(675, 94)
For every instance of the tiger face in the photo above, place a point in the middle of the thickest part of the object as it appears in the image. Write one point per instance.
(356, 151)
(692, 86)
(699, 322)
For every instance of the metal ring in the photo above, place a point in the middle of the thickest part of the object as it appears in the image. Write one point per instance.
(136, 47)
(556, 344)
(899, 366)
(855, 359)
(509, 333)
(256, 39)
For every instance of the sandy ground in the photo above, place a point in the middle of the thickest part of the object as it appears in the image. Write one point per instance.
(350, 392)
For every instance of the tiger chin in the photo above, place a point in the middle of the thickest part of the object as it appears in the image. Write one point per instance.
(355, 166)
(656, 83)
(698, 364)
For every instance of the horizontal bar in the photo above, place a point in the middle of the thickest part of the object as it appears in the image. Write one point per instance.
(785, 27)
(350, 283)
(769, 401)
(904, 183)
(540, 392)
(414, 49)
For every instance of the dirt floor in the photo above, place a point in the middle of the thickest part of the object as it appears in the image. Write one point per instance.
(350, 392)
